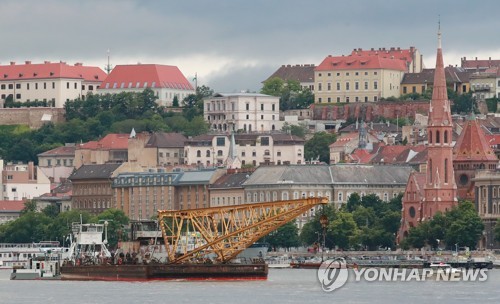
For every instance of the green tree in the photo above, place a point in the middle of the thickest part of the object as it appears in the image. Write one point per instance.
(318, 146)
(117, 220)
(344, 230)
(353, 202)
(29, 206)
(51, 211)
(175, 102)
(299, 130)
(312, 231)
(286, 236)
(462, 103)
(273, 87)
(464, 226)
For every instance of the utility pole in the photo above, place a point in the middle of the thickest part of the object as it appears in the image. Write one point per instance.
(108, 68)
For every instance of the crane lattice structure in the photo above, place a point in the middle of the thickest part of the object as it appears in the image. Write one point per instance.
(223, 232)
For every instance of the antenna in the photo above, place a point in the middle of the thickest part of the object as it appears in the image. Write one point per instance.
(439, 31)
(108, 67)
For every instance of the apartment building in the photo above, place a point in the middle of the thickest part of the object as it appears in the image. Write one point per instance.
(54, 83)
(358, 78)
(23, 181)
(247, 112)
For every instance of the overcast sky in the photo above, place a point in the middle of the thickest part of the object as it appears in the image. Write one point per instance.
(233, 45)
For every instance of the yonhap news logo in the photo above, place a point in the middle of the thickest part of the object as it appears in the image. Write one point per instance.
(333, 274)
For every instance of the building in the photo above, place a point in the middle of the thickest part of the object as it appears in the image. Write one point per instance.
(112, 148)
(281, 183)
(358, 78)
(411, 56)
(10, 210)
(54, 83)
(440, 189)
(191, 190)
(228, 189)
(166, 82)
(141, 194)
(457, 79)
(302, 73)
(480, 65)
(487, 200)
(60, 156)
(60, 197)
(252, 149)
(23, 181)
(242, 111)
(92, 190)
(471, 153)
(169, 148)
(385, 181)
(486, 84)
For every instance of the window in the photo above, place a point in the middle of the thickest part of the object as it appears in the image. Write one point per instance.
(329, 99)
(445, 139)
(264, 141)
(375, 73)
(254, 154)
(446, 170)
(347, 74)
(219, 153)
(412, 212)
(262, 107)
(338, 99)
(208, 153)
(404, 90)
(18, 96)
(347, 86)
(67, 85)
(221, 141)
(347, 99)
(18, 85)
(375, 85)
(274, 107)
(11, 86)
(356, 85)
(3, 87)
(340, 197)
(413, 89)
(49, 162)
(44, 85)
(36, 86)
(243, 154)
(278, 153)
(329, 86)
(247, 106)
(438, 139)
(76, 85)
(338, 86)
(319, 86)
(198, 153)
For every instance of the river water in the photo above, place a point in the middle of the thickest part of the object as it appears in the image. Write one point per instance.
(282, 286)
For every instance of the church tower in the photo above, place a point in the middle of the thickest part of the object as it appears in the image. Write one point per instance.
(440, 188)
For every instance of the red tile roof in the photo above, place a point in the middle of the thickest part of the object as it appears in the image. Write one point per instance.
(109, 142)
(361, 156)
(389, 53)
(344, 139)
(60, 151)
(479, 64)
(11, 206)
(472, 144)
(50, 71)
(361, 62)
(141, 76)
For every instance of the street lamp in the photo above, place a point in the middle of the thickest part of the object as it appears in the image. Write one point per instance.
(323, 220)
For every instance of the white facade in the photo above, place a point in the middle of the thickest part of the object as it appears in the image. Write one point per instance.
(19, 183)
(54, 83)
(242, 111)
(251, 149)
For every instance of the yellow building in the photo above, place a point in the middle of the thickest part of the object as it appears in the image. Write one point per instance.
(358, 78)
(457, 79)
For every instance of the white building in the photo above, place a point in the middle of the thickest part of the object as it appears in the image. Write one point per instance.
(250, 149)
(165, 80)
(54, 83)
(23, 181)
(242, 111)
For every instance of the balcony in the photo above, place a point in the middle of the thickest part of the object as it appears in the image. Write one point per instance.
(481, 88)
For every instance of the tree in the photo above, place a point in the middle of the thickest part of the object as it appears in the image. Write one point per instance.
(318, 146)
(116, 220)
(273, 87)
(286, 236)
(51, 211)
(353, 202)
(462, 103)
(299, 130)
(464, 226)
(312, 231)
(344, 230)
(175, 102)
(29, 206)
(497, 231)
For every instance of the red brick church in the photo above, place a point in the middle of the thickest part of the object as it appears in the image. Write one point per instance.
(435, 189)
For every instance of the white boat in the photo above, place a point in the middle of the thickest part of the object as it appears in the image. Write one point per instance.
(444, 268)
(45, 266)
(18, 255)
(279, 262)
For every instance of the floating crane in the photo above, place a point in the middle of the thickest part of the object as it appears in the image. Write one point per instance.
(223, 232)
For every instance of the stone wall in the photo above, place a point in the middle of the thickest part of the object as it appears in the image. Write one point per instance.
(369, 111)
(30, 116)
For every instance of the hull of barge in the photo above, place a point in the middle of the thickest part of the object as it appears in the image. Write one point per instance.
(165, 272)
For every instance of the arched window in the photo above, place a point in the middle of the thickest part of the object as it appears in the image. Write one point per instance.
(446, 170)
(284, 196)
(273, 127)
(245, 127)
(208, 153)
(437, 137)
(430, 170)
(430, 137)
(249, 198)
(219, 153)
(340, 197)
(255, 197)
(445, 140)
(295, 195)
(198, 153)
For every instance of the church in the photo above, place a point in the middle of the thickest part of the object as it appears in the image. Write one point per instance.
(434, 189)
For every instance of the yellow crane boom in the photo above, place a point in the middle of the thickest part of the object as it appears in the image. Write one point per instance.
(226, 231)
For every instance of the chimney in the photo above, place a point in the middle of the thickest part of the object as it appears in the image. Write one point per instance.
(27, 62)
(392, 49)
(31, 171)
(46, 62)
(476, 58)
(12, 63)
(372, 49)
